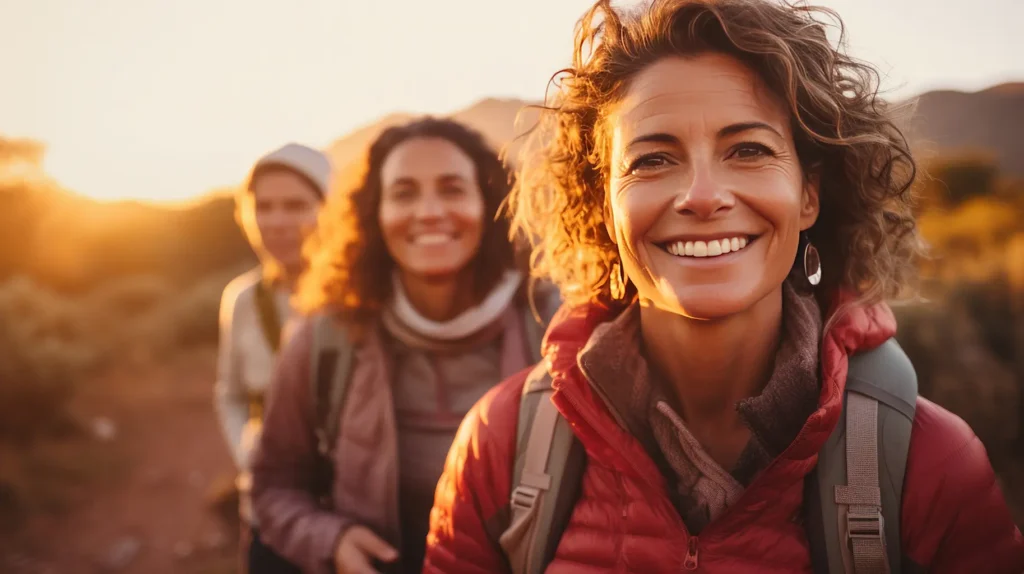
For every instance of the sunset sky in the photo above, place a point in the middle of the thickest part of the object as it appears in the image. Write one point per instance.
(166, 99)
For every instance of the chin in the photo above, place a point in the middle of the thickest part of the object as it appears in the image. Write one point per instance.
(710, 302)
(437, 272)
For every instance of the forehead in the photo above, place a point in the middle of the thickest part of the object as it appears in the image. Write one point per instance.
(710, 91)
(424, 159)
(281, 183)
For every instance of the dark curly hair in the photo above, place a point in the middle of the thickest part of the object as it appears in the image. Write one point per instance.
(350, 269)
(844, 132)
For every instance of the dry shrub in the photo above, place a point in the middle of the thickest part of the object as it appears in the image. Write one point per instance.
(969, 242)
(44, 350)
(1015, 266)
(49, 341)
(131, 296)
(196, 312)
(954, 179)
(958, 370)
(142, 319)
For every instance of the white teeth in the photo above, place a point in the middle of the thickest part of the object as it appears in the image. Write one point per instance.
(431, 238)
(712, 248)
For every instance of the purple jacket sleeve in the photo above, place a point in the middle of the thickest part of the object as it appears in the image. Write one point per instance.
(290, 520)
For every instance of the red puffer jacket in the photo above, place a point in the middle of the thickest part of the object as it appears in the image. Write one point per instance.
(954, 518)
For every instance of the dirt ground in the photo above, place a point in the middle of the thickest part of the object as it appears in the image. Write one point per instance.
(141, 503)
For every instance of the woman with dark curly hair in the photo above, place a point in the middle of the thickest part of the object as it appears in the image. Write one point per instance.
(416, 309)
(724, 201)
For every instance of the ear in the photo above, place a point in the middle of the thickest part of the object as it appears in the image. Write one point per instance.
(810, 201)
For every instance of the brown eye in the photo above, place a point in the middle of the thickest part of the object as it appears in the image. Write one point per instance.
(451, 191)
(403, 193)
(647, 163)
(752, 151)
(295, 205)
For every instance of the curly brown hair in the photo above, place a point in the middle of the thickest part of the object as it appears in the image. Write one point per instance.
(844, 133)
(350, 269)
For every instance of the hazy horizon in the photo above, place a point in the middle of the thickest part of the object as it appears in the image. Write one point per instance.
(165, 102)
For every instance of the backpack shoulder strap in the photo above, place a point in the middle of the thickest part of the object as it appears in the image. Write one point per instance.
(546, 478)
(547, 300)
(857, 488)
(330, 364)
(534, 333)
(270, 320)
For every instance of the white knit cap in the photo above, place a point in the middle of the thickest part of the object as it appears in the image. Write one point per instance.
(310, 162)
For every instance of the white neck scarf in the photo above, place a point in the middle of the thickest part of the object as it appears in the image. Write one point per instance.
(466, 323)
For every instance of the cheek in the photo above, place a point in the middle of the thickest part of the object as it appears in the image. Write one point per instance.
(635, 210)
(470, 215)
(775, 194)
(302, 217)
(392, 222)
(308, 221)
(263, 219)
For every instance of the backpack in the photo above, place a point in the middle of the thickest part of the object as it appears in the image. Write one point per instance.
(848, 500)
(331, 364)
(266, 309)
(270, 325)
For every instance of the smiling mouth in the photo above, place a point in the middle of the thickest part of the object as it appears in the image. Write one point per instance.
(435, 238)
(708, 248)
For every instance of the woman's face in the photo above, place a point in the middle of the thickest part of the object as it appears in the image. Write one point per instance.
(706, 194)
(431, 208)
(283, 209)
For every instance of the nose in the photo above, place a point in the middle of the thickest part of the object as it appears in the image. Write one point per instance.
(429, 207)
(274, 221)
(705, 197)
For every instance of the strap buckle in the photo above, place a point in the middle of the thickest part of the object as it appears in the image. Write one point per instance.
(865, 522)
(524, 497)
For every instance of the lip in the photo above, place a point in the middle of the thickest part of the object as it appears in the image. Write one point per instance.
(434, 238)
(708, 261)
(705, 237)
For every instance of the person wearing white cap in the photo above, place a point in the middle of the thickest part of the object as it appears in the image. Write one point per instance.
(276, 209)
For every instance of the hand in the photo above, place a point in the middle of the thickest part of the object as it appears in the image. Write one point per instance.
(358, 548)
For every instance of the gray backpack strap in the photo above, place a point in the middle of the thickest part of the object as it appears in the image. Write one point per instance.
(854, 497)
(534, 333)
(547, 300)
(546, 478)
(330, 364)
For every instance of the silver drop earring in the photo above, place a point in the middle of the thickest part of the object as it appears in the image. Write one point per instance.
(812, 261)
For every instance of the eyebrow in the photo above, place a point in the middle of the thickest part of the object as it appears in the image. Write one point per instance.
(729, 130)
(734, 129)
(445, 177)
(654, 138)
(451, 177)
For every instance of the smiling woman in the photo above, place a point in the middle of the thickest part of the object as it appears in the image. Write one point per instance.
(706, 124)
(431, 215)
(417, 278)
(724, 199)
(424, 214)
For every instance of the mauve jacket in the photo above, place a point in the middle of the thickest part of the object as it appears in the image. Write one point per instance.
(954, 520)
(365, 490)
